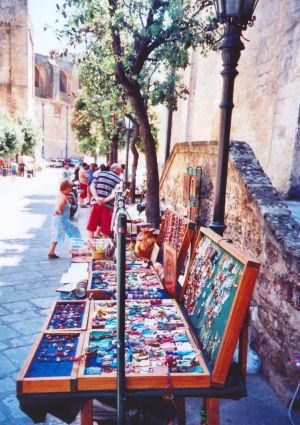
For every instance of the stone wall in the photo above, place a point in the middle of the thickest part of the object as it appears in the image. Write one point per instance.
(258, 221)
(267, 94)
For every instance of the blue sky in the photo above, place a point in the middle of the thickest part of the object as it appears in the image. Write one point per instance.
(43, 12)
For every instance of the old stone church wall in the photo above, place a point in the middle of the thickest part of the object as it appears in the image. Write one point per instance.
(258, 221)
(266, 96)
(39, 86)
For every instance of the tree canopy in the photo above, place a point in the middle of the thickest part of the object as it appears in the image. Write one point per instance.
(143, 47)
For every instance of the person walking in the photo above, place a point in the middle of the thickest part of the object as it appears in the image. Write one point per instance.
(83, 183)
(102, 201)
(21, 168)
(92, 169)
(61, 223)
(14, 170)
(66, 173)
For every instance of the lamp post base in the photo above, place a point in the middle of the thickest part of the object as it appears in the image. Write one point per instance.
(217, 227)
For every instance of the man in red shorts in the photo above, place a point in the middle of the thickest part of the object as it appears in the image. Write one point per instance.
(83, 178)
(102, 201)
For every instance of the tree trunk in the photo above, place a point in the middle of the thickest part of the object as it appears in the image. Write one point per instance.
(152, 189)
(108, 158)
(135, 155)
(114, 148)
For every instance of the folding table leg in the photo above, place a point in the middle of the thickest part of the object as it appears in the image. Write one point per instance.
(180, 403)
(86, 417)
(210, 412)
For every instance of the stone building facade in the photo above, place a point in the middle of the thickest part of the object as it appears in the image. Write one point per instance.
(260, 222)
(41, 87)
(56, 84)
(266, 95)
(16, 58)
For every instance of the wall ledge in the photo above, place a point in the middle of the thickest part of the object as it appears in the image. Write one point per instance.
(285, 228)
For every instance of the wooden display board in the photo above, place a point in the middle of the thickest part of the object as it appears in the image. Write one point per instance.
(67, 315)
(42, 372)
(216, 296)
(177, 232)
(170, 270)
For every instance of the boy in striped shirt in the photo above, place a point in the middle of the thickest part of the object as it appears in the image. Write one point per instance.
(103, 200)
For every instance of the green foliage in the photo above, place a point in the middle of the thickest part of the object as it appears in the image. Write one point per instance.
(139, 42)
(11, 136)
(17, 135)
(31, 135)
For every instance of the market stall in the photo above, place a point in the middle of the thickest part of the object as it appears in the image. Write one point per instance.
(171, 348)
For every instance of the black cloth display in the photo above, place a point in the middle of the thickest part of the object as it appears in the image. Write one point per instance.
(66, 406)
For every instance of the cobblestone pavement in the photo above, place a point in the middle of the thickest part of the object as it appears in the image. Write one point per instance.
(27, 288)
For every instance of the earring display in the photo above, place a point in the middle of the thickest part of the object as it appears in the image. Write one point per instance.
(209, 292)
(140, 284)
(176, 232)
(51, 364)
(173, 230)
(68, 315)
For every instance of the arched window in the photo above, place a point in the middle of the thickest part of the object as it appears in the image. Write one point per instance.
(63, 82)
(37, 77)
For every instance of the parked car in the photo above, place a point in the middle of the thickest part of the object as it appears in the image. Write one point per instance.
(76, 161)
(57, 163)
(69, 162)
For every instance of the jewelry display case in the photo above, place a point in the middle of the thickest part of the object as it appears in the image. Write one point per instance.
(110, 265)
(67, 315)
(140, 284)
(51, 365)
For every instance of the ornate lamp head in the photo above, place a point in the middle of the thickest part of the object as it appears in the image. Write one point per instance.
(236, 11)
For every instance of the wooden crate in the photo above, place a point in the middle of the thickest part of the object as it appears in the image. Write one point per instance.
(40, 378)
(54, 310)
(157, 378)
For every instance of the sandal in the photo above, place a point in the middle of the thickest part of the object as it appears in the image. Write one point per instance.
(53, 256)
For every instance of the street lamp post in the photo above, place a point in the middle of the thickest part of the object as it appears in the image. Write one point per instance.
(237, 14)
(67, 129)
(128, 128)
(43, 128)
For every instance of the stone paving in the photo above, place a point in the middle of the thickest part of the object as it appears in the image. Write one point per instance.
(27, 288)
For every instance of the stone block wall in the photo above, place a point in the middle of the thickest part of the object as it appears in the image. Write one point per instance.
(260, 222)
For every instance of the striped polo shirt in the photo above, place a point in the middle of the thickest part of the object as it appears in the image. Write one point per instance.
(105, 182)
